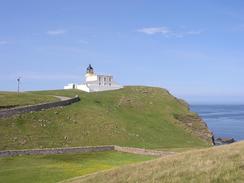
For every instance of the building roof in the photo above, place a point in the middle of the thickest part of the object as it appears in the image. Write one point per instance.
(89, 67)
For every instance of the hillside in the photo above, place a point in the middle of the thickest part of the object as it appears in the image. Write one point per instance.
(13, 99)
(133, 116)
(216, 165)
(58, 167)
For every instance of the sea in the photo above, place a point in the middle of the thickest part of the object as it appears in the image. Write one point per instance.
(223, 120)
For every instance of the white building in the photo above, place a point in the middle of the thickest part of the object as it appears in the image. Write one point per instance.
(95, 83)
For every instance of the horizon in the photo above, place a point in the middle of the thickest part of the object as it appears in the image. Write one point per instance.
(197, 56)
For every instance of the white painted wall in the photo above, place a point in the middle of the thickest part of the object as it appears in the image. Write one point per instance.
(70, 86)
(91, 77)
(83, 88)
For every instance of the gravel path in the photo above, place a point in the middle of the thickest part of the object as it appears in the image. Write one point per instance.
(62, 98)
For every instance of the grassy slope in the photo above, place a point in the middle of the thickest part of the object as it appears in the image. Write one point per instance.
(215, 165)
(53, 168)
(12, 99)
(133, 116)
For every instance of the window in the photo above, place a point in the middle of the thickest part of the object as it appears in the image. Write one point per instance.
(104, 79)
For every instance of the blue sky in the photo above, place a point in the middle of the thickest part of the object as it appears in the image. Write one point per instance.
(195, 49)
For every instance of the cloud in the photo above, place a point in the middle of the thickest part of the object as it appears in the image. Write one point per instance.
(56, 32)
(2, 42)
(194, 32)
(167, 32)
(154, 30)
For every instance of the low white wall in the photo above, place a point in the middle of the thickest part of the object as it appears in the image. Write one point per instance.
(83, 88)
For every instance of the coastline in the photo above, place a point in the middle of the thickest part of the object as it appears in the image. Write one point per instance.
(225, 121)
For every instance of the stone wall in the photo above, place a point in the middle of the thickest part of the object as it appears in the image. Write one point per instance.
(7, 153)
(24, 109)
(86, 149)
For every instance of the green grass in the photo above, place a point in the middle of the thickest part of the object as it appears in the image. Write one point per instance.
(13, 99)
(132, 116)
(54, 168)
(223, 164)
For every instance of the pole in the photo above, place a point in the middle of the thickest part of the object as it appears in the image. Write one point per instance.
(18, 80)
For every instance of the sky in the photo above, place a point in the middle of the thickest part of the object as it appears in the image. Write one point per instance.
(194, 49)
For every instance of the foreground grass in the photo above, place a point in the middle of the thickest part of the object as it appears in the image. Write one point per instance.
(53, 168)
(133, 116)
(13, 99)
(223, 164)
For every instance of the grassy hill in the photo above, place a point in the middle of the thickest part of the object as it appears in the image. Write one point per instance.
(133, 116)
(215, 165)
(13, 99)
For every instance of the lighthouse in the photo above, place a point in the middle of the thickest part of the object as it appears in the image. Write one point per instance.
(95, 83)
